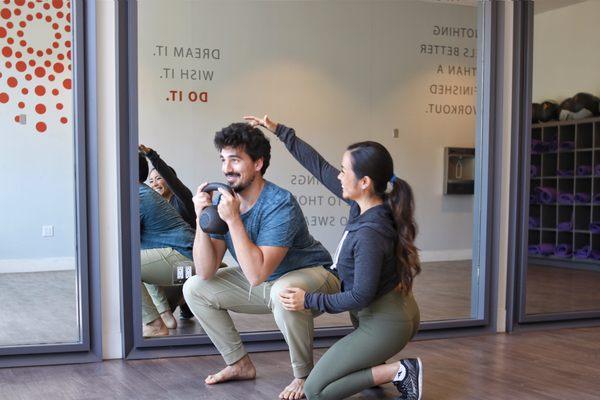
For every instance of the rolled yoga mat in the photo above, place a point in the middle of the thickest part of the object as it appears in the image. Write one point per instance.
(551, 145)
(534, 170)
(534, 222)
(596, 198)
(533, 249)
(564, 250)
(534, 199)
(596, 255)
(566, 198)
(583, 253)
(544, 249)
(566, 226)
(595, 227)
(547, 195)
(584, 170)
(547, 249)
(567, 145)
(537, 146)
(582, 197)
(597, 169)
(565, 172)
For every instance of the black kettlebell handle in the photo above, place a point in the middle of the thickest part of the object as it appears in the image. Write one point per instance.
(210, 221)
(214, 186)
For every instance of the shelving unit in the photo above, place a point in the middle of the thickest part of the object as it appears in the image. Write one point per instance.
(557, 170)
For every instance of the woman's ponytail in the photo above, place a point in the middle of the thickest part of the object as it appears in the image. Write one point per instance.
(402, 203)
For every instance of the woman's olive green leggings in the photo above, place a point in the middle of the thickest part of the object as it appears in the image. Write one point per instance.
(382, 330)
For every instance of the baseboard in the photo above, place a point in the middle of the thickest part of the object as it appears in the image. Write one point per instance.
(37, 264)
(446, 255)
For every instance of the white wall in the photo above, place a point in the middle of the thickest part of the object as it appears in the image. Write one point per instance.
(110, 273)
(338, 73)
(44, 155)
(565, 56)
(505, 143)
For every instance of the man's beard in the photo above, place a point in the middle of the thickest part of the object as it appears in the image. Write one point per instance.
(240, 186)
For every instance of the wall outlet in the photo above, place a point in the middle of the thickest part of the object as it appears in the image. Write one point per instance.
(47, 230)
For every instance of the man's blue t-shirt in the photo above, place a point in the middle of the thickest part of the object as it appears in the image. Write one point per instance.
(161, 225)
(276, 219)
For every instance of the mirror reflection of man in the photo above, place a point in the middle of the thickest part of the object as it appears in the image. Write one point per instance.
(268, 237)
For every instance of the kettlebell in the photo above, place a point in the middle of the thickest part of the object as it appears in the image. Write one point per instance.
(210, 221)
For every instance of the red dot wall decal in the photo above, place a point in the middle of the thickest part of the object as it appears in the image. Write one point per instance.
(34, 71)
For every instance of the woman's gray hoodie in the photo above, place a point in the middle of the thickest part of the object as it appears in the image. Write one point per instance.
(365, 259)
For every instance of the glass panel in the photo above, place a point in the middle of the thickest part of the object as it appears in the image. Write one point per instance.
(399, 72)
(38, 268)
(563, 273)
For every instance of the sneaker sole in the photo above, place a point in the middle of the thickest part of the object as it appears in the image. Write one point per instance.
(420, 378)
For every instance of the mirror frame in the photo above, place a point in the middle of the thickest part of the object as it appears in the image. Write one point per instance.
(485, 250)
(89, 347)
(517, 318)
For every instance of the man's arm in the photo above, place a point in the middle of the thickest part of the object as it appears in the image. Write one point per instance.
(208, 253)
(257, 262)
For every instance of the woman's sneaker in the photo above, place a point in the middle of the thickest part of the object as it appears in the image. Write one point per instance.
(409, 379)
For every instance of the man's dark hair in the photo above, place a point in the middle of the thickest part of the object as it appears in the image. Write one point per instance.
(143, 167)
(241, 135)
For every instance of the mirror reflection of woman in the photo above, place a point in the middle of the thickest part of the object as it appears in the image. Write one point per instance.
(376, 261)
(163, 179)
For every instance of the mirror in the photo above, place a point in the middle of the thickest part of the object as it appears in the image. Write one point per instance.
(39, 289)
(564, 207)
(402, 73)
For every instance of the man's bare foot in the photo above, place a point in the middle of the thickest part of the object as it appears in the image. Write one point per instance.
(294, 390)
(155, 328)
(241, 370)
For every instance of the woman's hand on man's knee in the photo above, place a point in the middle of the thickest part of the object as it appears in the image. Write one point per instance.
(292, 298)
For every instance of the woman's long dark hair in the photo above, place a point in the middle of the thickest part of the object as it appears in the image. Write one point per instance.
(373, 160)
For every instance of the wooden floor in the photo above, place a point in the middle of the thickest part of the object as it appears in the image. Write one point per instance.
(442, 290)
(555, 290)
(38, 307)
(550, 365)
